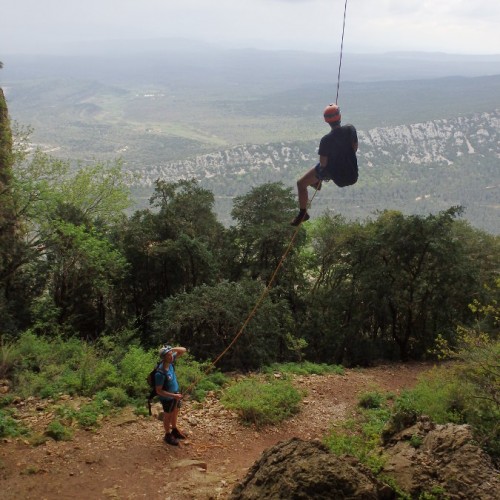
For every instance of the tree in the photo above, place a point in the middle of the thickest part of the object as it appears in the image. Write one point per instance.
(173, 249)
(209, 317)
(65, 265)
(9, 223)
(389, 282)
(263, 231)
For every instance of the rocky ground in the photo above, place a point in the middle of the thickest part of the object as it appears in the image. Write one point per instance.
(126, 457)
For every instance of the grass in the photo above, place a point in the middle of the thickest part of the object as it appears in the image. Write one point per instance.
(361, 436)
(9, 426)
(304, 368)
(59, 432)
(101, 379)
(262, 402)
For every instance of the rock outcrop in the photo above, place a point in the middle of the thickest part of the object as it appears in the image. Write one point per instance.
(303, 470)
(441, 458)
(440, 461)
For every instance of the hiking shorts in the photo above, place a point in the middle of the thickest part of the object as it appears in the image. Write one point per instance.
(322, 173)
(170, 404)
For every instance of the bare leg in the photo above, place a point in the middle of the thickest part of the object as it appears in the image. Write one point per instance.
(167, 421)
(303, 183)
(174, 414)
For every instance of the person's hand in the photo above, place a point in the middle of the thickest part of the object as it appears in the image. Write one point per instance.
(178, 397)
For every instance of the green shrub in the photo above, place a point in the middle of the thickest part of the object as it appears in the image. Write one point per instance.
(193, 375)
(8, 357)
(304, 368)
(10, 427)
(360, 437)
(134, 369)
(372, 400)
(88, 416)
(57, 431)
(261, 402)
(462, 392)
(114, 395)
(416, 441)
(6, 400)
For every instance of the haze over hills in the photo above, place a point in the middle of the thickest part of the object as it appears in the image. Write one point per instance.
(428, 123)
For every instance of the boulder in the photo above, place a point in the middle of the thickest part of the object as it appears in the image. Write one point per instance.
(306, 469)
(440, 461)
(441, 458)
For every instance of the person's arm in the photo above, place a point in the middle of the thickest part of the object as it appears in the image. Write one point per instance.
(179, 351)
(161, 392)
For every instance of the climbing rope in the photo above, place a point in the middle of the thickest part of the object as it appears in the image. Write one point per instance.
(283, 257)
(341, 51)
(255, 308)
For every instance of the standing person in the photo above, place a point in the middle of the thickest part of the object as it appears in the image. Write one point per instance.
(167, 389)
(337, 160)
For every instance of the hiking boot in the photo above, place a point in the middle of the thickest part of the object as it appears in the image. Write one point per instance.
(301, 217)
(170, 439)
(178, 434)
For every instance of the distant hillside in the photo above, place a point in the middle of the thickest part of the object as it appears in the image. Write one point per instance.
(428, 123)
(418, 168)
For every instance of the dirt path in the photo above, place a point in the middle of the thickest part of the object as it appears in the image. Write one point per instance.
(127, 459)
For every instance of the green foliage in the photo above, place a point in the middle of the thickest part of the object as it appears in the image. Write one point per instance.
(46, 368)
(9, 426)
(458, 393)
(213, 315)
(115, 396)
(7, 357)
(135, 366)
(360, 437)
(262, 402)
(387, 277)
(87, 415)
(416, 441)
(198, 377)
(371, 400)
(304, 368)
(262, 232)
(59, 432)
(99, 191)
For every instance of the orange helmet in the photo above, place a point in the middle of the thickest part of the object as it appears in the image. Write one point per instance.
(332, 114)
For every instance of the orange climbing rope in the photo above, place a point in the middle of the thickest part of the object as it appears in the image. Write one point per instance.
(283, 257)
(255, 308)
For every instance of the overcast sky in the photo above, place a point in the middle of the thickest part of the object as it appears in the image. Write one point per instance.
(452, 26)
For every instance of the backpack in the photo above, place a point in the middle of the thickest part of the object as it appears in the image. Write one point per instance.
(345, 171)
(343, 164)
(150, 379)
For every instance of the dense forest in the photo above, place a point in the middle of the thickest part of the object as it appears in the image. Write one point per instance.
(75, 263)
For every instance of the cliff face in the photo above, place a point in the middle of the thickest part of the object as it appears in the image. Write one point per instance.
(5, 144)
(435, 143)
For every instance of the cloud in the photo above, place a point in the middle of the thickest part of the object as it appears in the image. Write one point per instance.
(446, 25)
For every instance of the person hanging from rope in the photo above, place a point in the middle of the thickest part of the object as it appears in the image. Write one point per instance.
(167, 389)
(337, 161)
